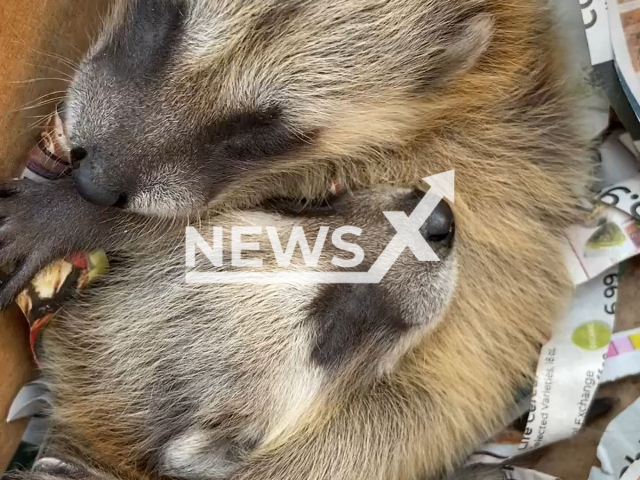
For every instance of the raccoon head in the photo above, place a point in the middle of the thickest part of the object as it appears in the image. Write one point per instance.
(359, 284)
(181, 103)
(221, 372)
(276, 354)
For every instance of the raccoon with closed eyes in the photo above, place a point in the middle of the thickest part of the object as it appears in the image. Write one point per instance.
(200, 109)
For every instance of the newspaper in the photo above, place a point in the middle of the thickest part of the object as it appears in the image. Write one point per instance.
(576, 19)
(604, 71)
(611, 238)
(625, 196)
(624, 24)
(618, 159)
(611, 233)
(619, 447)
(571, 364)
(596, 26)
(626, 140)
(569, 374)
(622, 360)
(623, 356)
(633, 472)
(31, 400)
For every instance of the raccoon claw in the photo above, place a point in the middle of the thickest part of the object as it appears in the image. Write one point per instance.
(44, 222)
(17, 281)
(34, 231)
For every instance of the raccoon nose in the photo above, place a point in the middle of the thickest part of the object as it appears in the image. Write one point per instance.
(93, 192)
(440, 227)
(77, 154)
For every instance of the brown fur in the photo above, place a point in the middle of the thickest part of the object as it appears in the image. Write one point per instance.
(491, 103)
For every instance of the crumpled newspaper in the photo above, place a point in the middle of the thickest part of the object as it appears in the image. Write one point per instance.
(619, 447)
(623, 356)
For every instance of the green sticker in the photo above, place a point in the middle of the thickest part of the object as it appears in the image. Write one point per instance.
(592, 335)
(607, 236)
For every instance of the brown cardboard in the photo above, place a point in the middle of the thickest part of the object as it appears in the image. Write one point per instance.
(32, 35)
(15, 369)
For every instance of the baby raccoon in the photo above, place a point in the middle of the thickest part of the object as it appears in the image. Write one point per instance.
(188, 108)
(190, 380)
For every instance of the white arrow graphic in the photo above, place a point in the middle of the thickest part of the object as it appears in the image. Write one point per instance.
(407, 236)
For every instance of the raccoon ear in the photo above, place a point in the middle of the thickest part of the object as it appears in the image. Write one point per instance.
(472, 42)
(461, 51)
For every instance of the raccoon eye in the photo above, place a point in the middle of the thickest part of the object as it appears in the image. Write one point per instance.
(305, 207)
(254, 134)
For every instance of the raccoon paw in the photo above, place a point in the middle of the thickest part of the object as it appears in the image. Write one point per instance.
(39, 223)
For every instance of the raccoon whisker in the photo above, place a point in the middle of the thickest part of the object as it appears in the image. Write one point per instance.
(38, 123)
(48, 101)
(41, 79)
(100, 15)
(40, 104)
(49, 94)
(90, 34)
(60, 58)
(50, 32)
(64, 74)
(41, 117)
